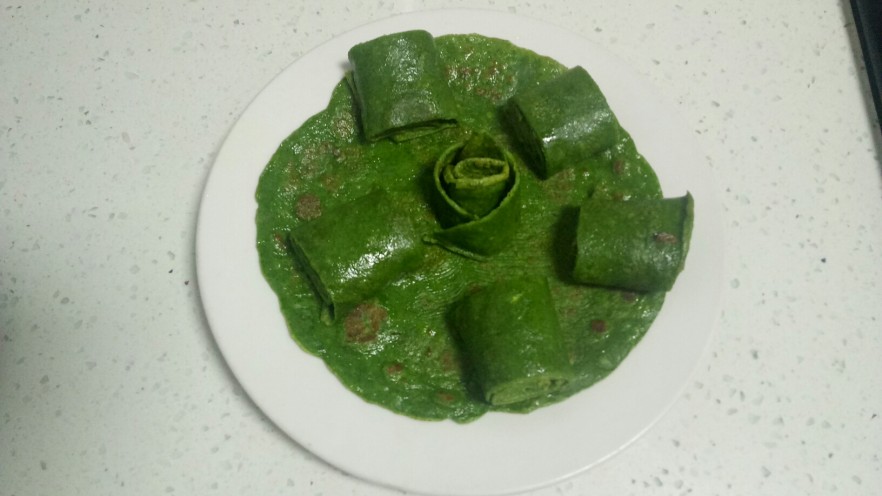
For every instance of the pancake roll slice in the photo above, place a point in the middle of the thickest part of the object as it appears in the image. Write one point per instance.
(563, 122)
(512, 341)
(355, 249)
(636, 245)
(399, 86)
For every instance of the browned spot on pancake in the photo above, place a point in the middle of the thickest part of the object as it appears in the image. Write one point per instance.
(560, 186)
(449, 361)
(364, 322)
(344, 126)
(394, 368)
(445, 397)
(598, 326)
(664, 238)
(331, 182)
(308, 207)
(493, 70)
(619, 167)
(281, 244)
(629, 297)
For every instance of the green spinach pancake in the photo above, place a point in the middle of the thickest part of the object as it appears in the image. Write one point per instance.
(466, 228)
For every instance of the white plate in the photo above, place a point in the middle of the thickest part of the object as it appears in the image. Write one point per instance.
(499, 453)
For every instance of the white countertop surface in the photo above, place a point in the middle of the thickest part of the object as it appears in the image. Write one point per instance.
(111, 114)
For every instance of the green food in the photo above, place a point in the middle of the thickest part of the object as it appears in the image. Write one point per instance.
(563, 122)
(400, 86)
(477, 198)
(512, 339)
(476, 184)
(356, 249)
(397, 348)
(637, 245)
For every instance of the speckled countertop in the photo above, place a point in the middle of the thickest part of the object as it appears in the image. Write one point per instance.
(111, 114)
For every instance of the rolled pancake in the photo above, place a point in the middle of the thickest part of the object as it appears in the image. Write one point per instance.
(355, 249)
(512, 340)
(637, 245)
(399, 87)
(563, 122)
(477, 199)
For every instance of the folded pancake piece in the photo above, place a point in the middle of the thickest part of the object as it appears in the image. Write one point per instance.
(355, 249)
(561, 123)
(511, 338)
(399, 86)
(637, 245)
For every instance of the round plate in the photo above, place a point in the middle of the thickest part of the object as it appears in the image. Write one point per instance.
(498, 453)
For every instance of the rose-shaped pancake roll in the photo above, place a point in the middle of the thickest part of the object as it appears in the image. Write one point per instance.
(476, 185)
